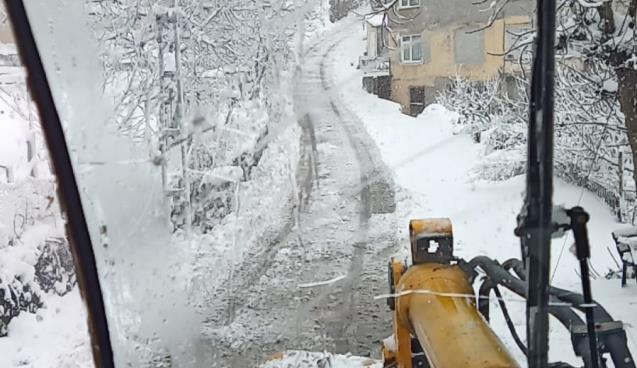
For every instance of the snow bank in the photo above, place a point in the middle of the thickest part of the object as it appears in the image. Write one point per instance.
(55, 336)
(43, 330)
(303, 359)
(262, 208)
(17, 132)
(12, 142)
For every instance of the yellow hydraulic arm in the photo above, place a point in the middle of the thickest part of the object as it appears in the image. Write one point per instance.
(436, 322)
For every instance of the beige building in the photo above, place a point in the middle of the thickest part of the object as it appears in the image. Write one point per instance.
(433, 41)
(6, 34)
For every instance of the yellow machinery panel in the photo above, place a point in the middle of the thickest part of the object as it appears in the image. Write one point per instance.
(434, 307)
(448, 326)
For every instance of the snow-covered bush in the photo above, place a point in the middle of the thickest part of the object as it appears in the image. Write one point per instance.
(33, 266)
(55, 270)
(17, 295)
(493, 119)
(590, 135)
(34, 255)
(472, 101)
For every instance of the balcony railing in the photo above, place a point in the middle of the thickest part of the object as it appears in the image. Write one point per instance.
(378, 65)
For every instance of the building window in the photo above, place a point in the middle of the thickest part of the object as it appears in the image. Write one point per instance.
(469, 47)
(416, 100)
(411, 49)
(409, 4)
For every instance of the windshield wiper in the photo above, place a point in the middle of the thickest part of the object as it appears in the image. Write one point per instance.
(69, 195)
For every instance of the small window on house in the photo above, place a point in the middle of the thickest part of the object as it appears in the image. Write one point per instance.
(416, 100)
(411, 49)
(469, 47)
(409, 3)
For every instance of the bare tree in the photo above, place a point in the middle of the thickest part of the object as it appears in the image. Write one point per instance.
(187, 75)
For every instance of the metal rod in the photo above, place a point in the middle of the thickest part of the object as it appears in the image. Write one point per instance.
(538, 222)
(68, 192)
(579, 219)
(590, 319)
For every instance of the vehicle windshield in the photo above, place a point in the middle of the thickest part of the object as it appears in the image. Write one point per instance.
(248, 171)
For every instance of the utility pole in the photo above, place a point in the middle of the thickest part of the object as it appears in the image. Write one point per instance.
(171, 99)
(180, 122)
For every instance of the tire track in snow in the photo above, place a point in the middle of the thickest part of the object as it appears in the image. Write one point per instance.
(260, 259)
(327, 236)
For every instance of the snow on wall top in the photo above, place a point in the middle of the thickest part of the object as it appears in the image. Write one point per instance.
(8, 49)
(375, 20)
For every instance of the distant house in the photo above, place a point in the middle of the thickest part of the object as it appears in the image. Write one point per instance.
(375, 62)
(11, 71)
(430, 42)
(376, 36)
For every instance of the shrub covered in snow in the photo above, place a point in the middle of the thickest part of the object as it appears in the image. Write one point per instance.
(16, 296)
(54, 270)
(472, 101)
(31, 268)
(494, 120)
(590, 136)
(34, 255)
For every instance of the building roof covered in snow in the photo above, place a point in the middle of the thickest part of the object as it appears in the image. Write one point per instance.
(375, 20)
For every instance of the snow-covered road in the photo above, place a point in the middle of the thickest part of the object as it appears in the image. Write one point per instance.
(334, 233)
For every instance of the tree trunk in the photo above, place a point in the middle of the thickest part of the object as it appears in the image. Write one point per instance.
(627, 80)
(607, 18)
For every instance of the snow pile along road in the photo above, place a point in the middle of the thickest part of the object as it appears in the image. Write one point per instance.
(302, 359)
(54, 336)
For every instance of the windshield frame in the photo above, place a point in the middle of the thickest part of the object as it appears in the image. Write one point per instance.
(67, 188)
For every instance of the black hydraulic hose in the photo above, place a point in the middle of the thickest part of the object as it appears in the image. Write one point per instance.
(502, 277)
(483, 308)
(576, 300)
(563, 314)
(483, 298)
(517, 266)
(509, 322)
(614, 342)
(67, 187)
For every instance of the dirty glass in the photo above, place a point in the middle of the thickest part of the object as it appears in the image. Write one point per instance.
(313, 183)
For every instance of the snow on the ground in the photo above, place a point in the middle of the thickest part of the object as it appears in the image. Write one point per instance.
(302, 359)
(263, 210)
(12, 140)
(55, 336)
(433, 167)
